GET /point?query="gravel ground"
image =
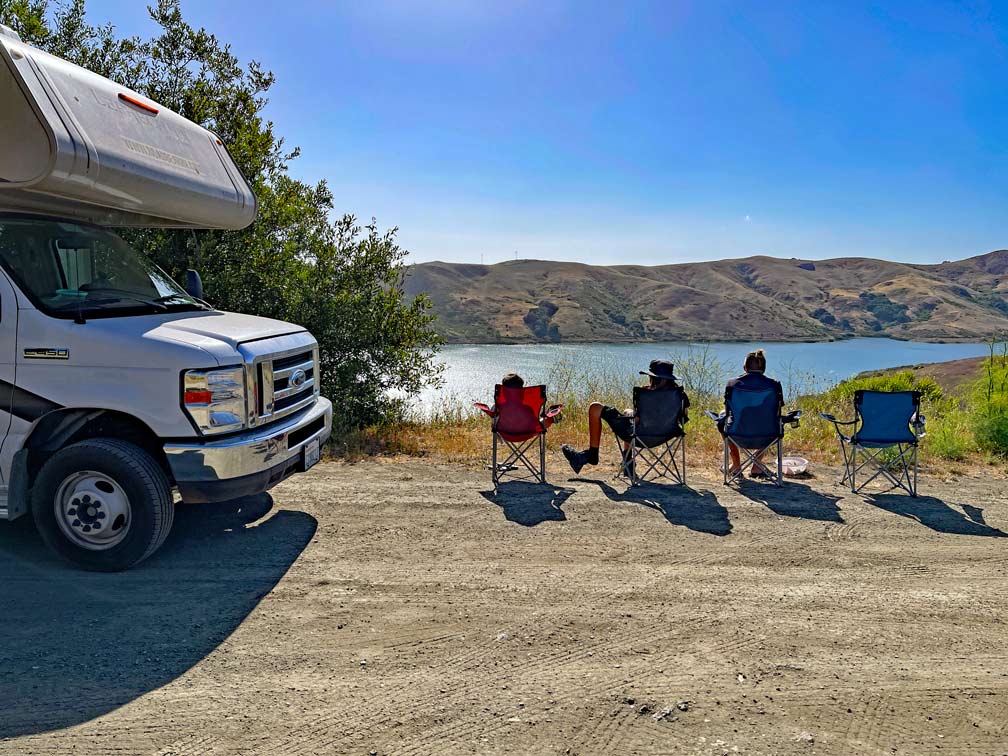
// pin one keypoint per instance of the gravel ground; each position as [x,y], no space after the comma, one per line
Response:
[400,607]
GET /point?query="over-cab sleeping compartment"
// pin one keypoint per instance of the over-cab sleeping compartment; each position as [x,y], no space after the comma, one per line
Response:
[76,145]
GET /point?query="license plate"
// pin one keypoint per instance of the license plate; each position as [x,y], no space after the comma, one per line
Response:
[311,454]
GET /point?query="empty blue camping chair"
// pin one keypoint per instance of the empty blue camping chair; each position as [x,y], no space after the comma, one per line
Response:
[657,448]
[754,422]
[887,428]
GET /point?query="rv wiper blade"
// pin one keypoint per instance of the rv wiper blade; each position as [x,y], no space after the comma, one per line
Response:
[125,298]
[120,295]
[182,299]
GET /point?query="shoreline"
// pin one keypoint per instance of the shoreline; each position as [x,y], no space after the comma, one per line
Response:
[700,342]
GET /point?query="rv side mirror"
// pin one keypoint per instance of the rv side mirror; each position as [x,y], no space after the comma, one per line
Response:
[194,284]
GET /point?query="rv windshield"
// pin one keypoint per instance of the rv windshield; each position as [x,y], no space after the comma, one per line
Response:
[70,270]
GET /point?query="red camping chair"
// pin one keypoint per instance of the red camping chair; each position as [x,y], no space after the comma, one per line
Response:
[520,418]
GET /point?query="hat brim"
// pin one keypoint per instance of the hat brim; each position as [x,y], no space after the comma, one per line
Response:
[663,377]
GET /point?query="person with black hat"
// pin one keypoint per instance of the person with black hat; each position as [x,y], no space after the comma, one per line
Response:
[661,378]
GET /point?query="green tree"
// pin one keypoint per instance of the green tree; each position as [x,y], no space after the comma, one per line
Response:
[343,280]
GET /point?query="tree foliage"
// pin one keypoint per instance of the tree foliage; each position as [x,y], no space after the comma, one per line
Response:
[342,279]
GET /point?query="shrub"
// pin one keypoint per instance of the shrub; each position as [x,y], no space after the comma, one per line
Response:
[989,402]
[905,380]
[948,432]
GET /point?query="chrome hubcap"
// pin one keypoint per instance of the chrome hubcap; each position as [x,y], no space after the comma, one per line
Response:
[92,510]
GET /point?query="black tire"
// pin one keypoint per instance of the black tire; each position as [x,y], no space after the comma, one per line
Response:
[151,508]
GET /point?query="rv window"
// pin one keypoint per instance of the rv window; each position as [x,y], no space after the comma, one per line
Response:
[70,270]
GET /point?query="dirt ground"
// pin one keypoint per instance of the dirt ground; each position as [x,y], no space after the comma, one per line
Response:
[399,607]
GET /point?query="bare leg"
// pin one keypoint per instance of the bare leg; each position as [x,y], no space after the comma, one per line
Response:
[589,456]
[736,462]
[594,424]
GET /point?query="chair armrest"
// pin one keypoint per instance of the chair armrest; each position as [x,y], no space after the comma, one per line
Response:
[826,416]
[791,418]
[484,409]
[554,411]
[716,418]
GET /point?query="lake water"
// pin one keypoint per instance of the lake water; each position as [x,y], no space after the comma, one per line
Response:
[472,370]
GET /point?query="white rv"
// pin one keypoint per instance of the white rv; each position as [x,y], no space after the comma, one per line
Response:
[118,387]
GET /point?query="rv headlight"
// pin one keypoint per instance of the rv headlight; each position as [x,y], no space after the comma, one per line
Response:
[215,399]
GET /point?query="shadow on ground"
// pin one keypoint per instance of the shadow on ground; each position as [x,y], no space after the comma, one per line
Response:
[680,505]
[529,503]
[793,500]
[77,645]
[937,515]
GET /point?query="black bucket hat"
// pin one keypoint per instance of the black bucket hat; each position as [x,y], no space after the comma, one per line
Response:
[661,369]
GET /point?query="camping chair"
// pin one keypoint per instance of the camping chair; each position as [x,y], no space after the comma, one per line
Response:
[658,444]
[519,418]
[753,422]
[887,427]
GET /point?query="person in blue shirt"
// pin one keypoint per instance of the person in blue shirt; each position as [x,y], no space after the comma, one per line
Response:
[754,378]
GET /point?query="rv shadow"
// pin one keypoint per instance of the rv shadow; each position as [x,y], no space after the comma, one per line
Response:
[793,500]
[529,504]
[678,504]
[77,645]
[937,515]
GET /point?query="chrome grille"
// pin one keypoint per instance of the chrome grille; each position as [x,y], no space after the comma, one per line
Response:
[285,383]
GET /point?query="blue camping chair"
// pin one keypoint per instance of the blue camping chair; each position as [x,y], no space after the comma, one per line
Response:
[754,422]
[657,448]
[887,428]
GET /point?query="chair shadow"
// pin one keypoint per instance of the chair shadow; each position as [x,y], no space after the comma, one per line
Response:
[678,504]
[937,514]
[79,644]
[530,504]
[792,500]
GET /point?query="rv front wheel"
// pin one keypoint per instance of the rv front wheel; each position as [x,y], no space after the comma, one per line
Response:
[103,504]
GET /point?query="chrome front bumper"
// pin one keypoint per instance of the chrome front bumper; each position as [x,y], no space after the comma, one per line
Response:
[248,463]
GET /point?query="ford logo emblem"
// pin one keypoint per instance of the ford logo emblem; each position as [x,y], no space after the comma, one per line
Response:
[298,378]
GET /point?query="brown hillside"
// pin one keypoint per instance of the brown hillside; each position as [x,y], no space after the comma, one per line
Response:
[761,298]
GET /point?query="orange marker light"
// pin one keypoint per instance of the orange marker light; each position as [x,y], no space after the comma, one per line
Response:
[138,103]
[195,396]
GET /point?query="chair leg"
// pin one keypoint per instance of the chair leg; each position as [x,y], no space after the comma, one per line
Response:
[780,463]
[542,458]
[853,467]
[724,465]
[682,472]
[914,492]
[630,460]
[493,464]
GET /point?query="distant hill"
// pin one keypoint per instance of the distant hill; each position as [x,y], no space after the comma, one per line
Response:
[754,298]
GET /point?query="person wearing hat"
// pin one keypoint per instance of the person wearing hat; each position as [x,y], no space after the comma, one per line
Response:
[661,378]
[754,378]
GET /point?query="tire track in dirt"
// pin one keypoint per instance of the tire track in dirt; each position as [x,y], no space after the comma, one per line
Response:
[549,671]
[847,531]
[444,740]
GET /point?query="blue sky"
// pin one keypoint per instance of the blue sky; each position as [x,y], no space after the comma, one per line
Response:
[643,132]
